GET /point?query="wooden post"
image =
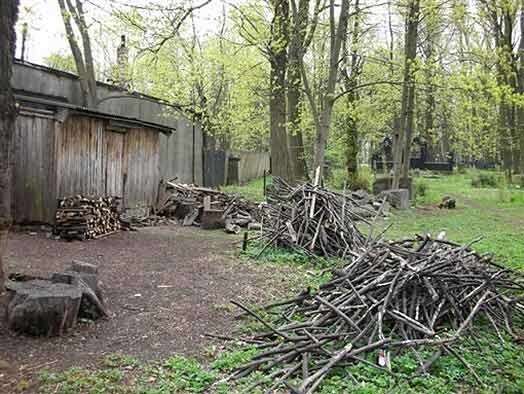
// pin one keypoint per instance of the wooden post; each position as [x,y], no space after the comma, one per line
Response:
[244,242]
[317,180]
[264,191]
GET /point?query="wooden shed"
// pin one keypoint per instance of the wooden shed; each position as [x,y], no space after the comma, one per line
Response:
[62,150]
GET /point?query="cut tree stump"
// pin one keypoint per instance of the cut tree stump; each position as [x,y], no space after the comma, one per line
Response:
[85,276]
[212,219]
[41,307]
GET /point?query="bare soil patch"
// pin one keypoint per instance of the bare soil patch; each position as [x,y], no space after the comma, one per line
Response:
[165,286]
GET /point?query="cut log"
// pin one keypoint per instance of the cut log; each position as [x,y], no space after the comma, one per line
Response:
[230,227]
[41,307]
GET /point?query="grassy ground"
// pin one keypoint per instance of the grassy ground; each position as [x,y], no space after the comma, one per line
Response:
[252,190]
[496,213]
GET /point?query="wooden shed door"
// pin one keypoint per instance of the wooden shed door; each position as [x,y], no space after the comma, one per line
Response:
[114,151]
[34,196]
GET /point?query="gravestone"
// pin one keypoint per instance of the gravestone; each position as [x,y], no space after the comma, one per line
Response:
[398,198]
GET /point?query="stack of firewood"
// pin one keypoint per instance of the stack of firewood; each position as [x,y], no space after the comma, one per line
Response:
[82,217]
[412,296]
[186,202]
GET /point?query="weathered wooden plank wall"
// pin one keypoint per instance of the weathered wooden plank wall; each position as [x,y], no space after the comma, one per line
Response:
[141,167]
[114,156]
[82,155]
[251,164]
[80,161]
[34,173]
[96,161]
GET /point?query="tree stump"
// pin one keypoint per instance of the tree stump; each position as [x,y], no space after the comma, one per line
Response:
[85,276]
[41,307]
[212,219]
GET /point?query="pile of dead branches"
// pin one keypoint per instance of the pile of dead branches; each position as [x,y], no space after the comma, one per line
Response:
[186,202]
[359,205]
[391,298]
[84,217]
[315,220]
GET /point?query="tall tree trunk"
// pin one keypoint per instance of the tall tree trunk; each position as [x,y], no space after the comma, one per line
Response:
[280,162]
[351,148]
[294,96]
[402,141]
[502,19]
[429,118]
[429,125]
[338,33]
[301,37]
[520,110]
[83,61]
[88,55]
[8,17]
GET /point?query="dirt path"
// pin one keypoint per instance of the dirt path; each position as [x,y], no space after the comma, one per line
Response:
[166,287]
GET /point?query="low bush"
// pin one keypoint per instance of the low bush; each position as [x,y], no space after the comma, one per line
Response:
[421,189]
[486,179]
[364,179]
[462,169]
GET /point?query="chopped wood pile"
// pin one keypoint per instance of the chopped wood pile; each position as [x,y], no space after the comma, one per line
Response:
[83,217]
[315,220]
[390,298]
[186,202]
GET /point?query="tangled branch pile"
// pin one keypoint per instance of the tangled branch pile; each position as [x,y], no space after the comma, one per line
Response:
[186,202]
[316,220]
[82,217]
[392,297]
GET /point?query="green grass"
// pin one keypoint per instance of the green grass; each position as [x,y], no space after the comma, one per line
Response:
[497,214]
[252,190]
[499,365]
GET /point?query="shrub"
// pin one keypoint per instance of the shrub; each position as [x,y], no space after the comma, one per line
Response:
[462,169]
[364,179]
[421,189]
[486,179]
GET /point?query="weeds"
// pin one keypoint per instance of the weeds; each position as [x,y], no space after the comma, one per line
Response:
[487,180]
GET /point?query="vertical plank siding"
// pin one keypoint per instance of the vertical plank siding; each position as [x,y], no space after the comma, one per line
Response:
[34,169]
[141,167]
[81,156]
[113,166]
